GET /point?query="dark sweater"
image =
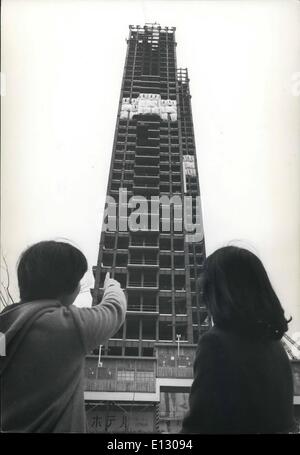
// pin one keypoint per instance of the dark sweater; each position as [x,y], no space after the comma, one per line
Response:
[42,375]
[241,385]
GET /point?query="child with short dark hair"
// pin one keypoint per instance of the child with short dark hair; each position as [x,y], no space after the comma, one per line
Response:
[47,339]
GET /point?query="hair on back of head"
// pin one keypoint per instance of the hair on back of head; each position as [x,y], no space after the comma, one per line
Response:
[239,295]
[49,269]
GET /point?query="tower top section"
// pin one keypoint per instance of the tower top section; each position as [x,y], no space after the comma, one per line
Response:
[151,27]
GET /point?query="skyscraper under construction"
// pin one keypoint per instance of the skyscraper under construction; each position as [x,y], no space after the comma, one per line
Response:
[152,243]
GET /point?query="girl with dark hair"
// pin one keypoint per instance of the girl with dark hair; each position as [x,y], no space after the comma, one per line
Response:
[243,380]
[47,339]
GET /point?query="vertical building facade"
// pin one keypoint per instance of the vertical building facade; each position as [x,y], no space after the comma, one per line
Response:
[151,242]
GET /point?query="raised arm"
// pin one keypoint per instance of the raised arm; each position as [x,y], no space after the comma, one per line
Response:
[98,323]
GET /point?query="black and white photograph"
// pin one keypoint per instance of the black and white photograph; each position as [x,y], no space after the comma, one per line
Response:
[150,219]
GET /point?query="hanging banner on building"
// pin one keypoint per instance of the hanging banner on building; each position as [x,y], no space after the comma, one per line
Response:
[149,103]
[188,169]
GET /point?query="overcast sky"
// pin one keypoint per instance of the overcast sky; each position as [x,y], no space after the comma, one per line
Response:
[63,62]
